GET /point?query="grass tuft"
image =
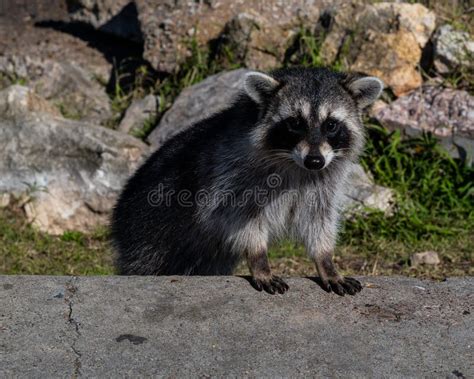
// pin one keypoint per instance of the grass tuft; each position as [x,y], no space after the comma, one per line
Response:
[25,250]
[434,191]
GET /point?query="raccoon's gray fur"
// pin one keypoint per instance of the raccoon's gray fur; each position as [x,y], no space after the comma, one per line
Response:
[273,164]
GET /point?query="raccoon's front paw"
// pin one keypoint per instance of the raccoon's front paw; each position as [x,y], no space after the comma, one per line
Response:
[270,284]
[343,285]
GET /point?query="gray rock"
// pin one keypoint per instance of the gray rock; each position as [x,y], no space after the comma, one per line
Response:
[119,18]
[363,193]
[62,67]
[452,49]
[37,10]
[71,171]
[425,258]
[214,94]
[21,37]
[197,103]
[18,100]
[71,88]
[138,113]
[445,112]
[221,327]
[5,200]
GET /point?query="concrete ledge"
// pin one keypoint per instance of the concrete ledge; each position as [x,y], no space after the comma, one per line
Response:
[220,326]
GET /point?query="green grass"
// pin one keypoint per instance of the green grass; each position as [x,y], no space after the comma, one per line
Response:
[434,191]
[147,127]
[434,204]
[7,80]
[24,250]
[305,50]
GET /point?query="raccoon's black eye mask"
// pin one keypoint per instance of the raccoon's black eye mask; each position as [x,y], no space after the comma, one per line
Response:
[285,134]
[331,127]
[337,133]
[296,125]
[299,126]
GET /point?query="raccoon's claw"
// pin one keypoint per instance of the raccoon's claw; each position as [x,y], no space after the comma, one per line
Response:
[343,286]
[272,284]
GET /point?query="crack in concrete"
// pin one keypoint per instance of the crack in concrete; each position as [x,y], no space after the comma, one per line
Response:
[70,291]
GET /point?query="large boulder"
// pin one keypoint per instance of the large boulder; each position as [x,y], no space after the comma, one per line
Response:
[70,87]
[198,102]
[452,49]
[45,41]
[216,93]
[71,171]
[169,26]
[382,39]
[65,69]
[447,113]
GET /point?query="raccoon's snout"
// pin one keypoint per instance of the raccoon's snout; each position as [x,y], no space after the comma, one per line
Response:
[314,162]
[313,157]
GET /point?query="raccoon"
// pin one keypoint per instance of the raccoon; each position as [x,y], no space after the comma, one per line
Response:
[272,165]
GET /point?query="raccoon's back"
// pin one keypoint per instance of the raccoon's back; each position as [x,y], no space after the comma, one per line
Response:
[152,233]
[145,225]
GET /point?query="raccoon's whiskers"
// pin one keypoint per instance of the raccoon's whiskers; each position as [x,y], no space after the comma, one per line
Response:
[338,151]
[282,163]
[341,149]
[275,159]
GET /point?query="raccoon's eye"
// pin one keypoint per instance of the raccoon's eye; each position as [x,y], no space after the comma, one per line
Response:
[332,127]
[295,125]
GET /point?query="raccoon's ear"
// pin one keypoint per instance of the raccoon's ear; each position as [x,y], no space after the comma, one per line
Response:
[364,89]
[259,86]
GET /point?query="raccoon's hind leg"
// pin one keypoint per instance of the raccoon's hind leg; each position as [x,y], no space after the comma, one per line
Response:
[262,276]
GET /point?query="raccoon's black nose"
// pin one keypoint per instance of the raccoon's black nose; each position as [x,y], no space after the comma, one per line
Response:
[314,162]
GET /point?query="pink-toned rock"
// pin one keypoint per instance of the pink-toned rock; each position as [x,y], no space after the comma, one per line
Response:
[445,112]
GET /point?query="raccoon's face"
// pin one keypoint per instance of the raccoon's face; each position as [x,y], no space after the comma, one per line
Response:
[311,116]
